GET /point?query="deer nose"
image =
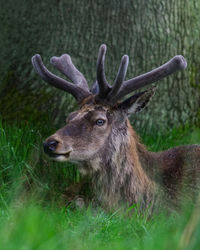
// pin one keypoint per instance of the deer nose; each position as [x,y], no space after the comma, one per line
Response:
[50,146]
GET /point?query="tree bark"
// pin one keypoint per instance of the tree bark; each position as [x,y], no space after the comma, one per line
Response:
[150,32]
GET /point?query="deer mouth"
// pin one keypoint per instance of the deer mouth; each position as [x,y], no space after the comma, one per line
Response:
[59,155]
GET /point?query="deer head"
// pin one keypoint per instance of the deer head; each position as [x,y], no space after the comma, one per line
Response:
[101,113]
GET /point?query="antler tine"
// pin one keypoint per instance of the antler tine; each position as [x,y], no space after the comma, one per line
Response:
[64,64]
[56,81]
[176,63]
[101,79]
[119,78]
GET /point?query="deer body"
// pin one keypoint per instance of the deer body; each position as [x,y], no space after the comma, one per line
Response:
[129,174]
[119,177]
[100,139]
[124,172]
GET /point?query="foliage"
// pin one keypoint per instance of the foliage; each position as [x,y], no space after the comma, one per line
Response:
[43,222]
[24,168]
[33,227]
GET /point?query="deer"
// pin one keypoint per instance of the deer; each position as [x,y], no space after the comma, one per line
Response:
[100,139]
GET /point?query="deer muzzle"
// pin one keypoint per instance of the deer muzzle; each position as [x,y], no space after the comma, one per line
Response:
[51,146]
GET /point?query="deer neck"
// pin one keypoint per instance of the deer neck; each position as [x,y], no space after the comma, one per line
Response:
[117,172]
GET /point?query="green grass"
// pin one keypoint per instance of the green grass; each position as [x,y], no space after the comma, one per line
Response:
[32,215]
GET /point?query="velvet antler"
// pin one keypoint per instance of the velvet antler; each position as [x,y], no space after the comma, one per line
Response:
[102,90]
[173,65]
[79,90]
[104,87]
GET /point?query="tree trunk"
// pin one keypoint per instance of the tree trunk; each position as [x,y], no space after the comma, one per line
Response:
[150,32]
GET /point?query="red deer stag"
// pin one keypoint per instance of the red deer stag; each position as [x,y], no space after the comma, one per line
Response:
[100,138]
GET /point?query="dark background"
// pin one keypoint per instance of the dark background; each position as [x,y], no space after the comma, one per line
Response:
[150,32]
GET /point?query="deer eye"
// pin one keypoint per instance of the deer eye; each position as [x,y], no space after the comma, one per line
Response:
[100,122]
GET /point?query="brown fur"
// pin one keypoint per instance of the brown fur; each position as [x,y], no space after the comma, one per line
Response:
[121,170]
[100,139]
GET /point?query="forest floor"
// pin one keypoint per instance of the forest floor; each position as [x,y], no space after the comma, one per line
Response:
[32,215]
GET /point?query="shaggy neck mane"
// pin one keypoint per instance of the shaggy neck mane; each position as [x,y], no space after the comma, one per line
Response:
[117,174]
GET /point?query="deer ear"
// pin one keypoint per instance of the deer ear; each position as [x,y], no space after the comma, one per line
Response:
[137,102]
